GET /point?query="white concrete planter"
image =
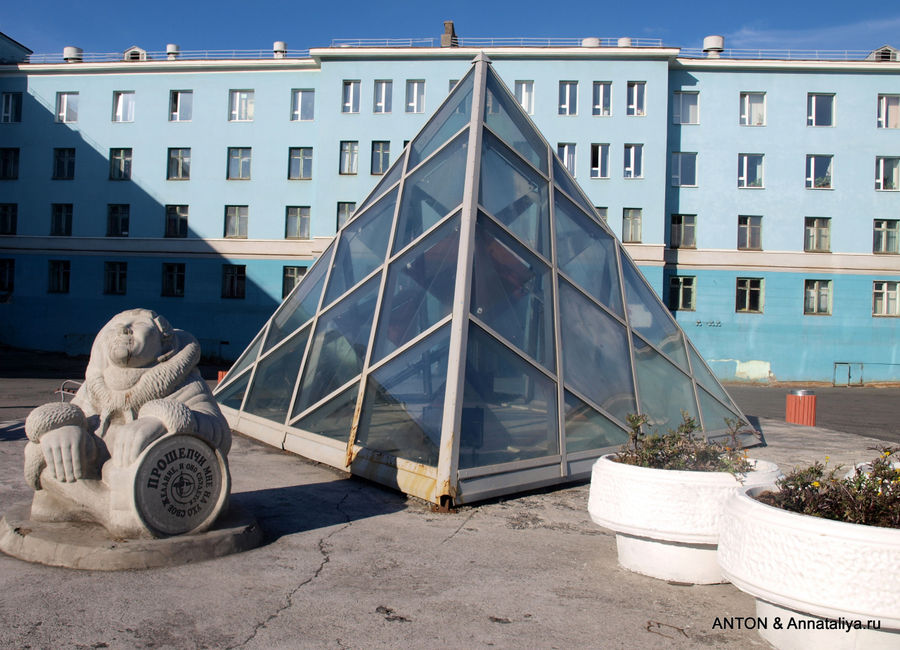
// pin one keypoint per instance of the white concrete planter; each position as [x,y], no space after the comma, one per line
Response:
[811,573]
[667,521]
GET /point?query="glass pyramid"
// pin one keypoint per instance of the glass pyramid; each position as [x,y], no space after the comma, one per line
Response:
[475,329]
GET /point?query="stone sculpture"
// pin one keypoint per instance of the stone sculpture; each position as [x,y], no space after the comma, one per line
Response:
[142,447]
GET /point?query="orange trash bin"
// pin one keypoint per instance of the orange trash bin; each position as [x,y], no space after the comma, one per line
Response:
[222,374]
[801,408]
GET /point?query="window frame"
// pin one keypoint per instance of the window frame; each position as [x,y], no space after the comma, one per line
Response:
[178,167]
[415,95]
[678,168]
[882,109]
[601,99]
[299,98]
[350,96]
[682,230]
[636,99]
[678,111]
[115,278]
[9,218]
[748,229]
[817,234]
[890,299]
[9,163]
[123,106]
[568,153]
[120,163]
[59,275]
[567,103]
[819,287]
[300,165]
[177,219]
[812,181]
[744,113]
[381,154]
[10,107]
[348,207]
[348,158]
[811,109]
[67,106]
[61,217]
[7,275]
[297,273]
[383,96]
[238,159]
[744,290]
[744,168]
[880,176]
[234,281]
[237,220]
[886,230]
[63,164]
[523,96]
[300,214]
[633,158]
[118,218]
[178,108]
[632,223]
[600,160]
[241,104]
[173,280]
[679,287]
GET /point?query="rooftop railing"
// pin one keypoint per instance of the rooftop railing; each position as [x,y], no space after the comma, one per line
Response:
[782,54]
[524,41]
[190,55]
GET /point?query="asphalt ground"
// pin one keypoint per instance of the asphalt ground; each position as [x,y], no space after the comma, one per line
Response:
[346,563]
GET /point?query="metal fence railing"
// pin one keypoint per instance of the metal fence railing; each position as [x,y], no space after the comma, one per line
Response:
[192,55]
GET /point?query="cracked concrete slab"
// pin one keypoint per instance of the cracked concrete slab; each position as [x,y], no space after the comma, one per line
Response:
[348,564]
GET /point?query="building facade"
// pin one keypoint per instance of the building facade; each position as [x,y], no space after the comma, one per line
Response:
[759,196]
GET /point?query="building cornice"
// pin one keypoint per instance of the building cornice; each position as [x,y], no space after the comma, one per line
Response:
[468,53]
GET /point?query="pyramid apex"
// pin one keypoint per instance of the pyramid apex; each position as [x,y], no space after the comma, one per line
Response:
[481,57]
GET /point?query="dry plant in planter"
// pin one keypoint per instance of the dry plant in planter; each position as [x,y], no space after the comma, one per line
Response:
[663,495]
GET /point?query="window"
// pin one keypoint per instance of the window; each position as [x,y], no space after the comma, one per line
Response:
[452,84]
[750,170]
[240,106]
[9,164]
[602,99]
[7,276]
[887,172]
[566,153]
[685,107]
[119,164]
[599,161]
[888,112]
[66,107]
[350,97]
[749,233]
[525,95]
[349,156]
[636,98]
[568,97]
[303,105]
[181,105]
[381,102]
[114,275]
[631,225]
[117,215]
[818,172]
[885,299]
[58,276]
[753,109]
[300,163]
[344,212]
[748,295]
[681,292]
[684,169]
[886,236]
[603,211]
[296,222]
[415,96]
[817,238]
[634,167]
[819,110]
[236,221]
[381,156]
[123,106]
[10,107]
[290,278]
[683,233]
[238,164]
[63,164]
[173,280]
[817,297]
[179,168]
[61,219]
[234,280]
[9,213]
[176,221]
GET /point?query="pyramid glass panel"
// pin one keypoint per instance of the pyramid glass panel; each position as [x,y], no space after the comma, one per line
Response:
[511,292]
[431,192]
[648,316]
[509,406]
[714,414]
[504,117]
[587,254]
[233,395]
[361,248]
[334,418]
[596,361]
[302,302]
[706,379]
[515,194]
[245,360]
[568,185]
[665,391]
[273,384]
[338,346]
[588,429]
[404,402]
[387,181]
[450,118]
[419,289]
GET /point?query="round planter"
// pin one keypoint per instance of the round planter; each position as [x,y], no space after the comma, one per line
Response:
[816,576]
[667,521]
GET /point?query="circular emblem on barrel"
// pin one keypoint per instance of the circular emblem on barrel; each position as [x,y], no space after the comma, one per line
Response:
[180,486]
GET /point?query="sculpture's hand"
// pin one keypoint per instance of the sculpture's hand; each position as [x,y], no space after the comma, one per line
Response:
[133,438]
[65,450]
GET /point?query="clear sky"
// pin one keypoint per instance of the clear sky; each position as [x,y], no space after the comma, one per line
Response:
[46,26]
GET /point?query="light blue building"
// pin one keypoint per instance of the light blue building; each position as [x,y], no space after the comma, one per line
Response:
[758,192]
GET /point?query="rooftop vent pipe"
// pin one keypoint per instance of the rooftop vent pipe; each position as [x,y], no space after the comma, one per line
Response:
[448,38]
[590,41]
[72,54]
[279,49]
[624,42]
[713,46]
[172,51]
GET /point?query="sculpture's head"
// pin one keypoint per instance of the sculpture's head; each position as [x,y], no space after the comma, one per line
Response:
[138,338]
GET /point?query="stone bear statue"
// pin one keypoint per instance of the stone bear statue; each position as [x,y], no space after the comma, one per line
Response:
[141,384]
